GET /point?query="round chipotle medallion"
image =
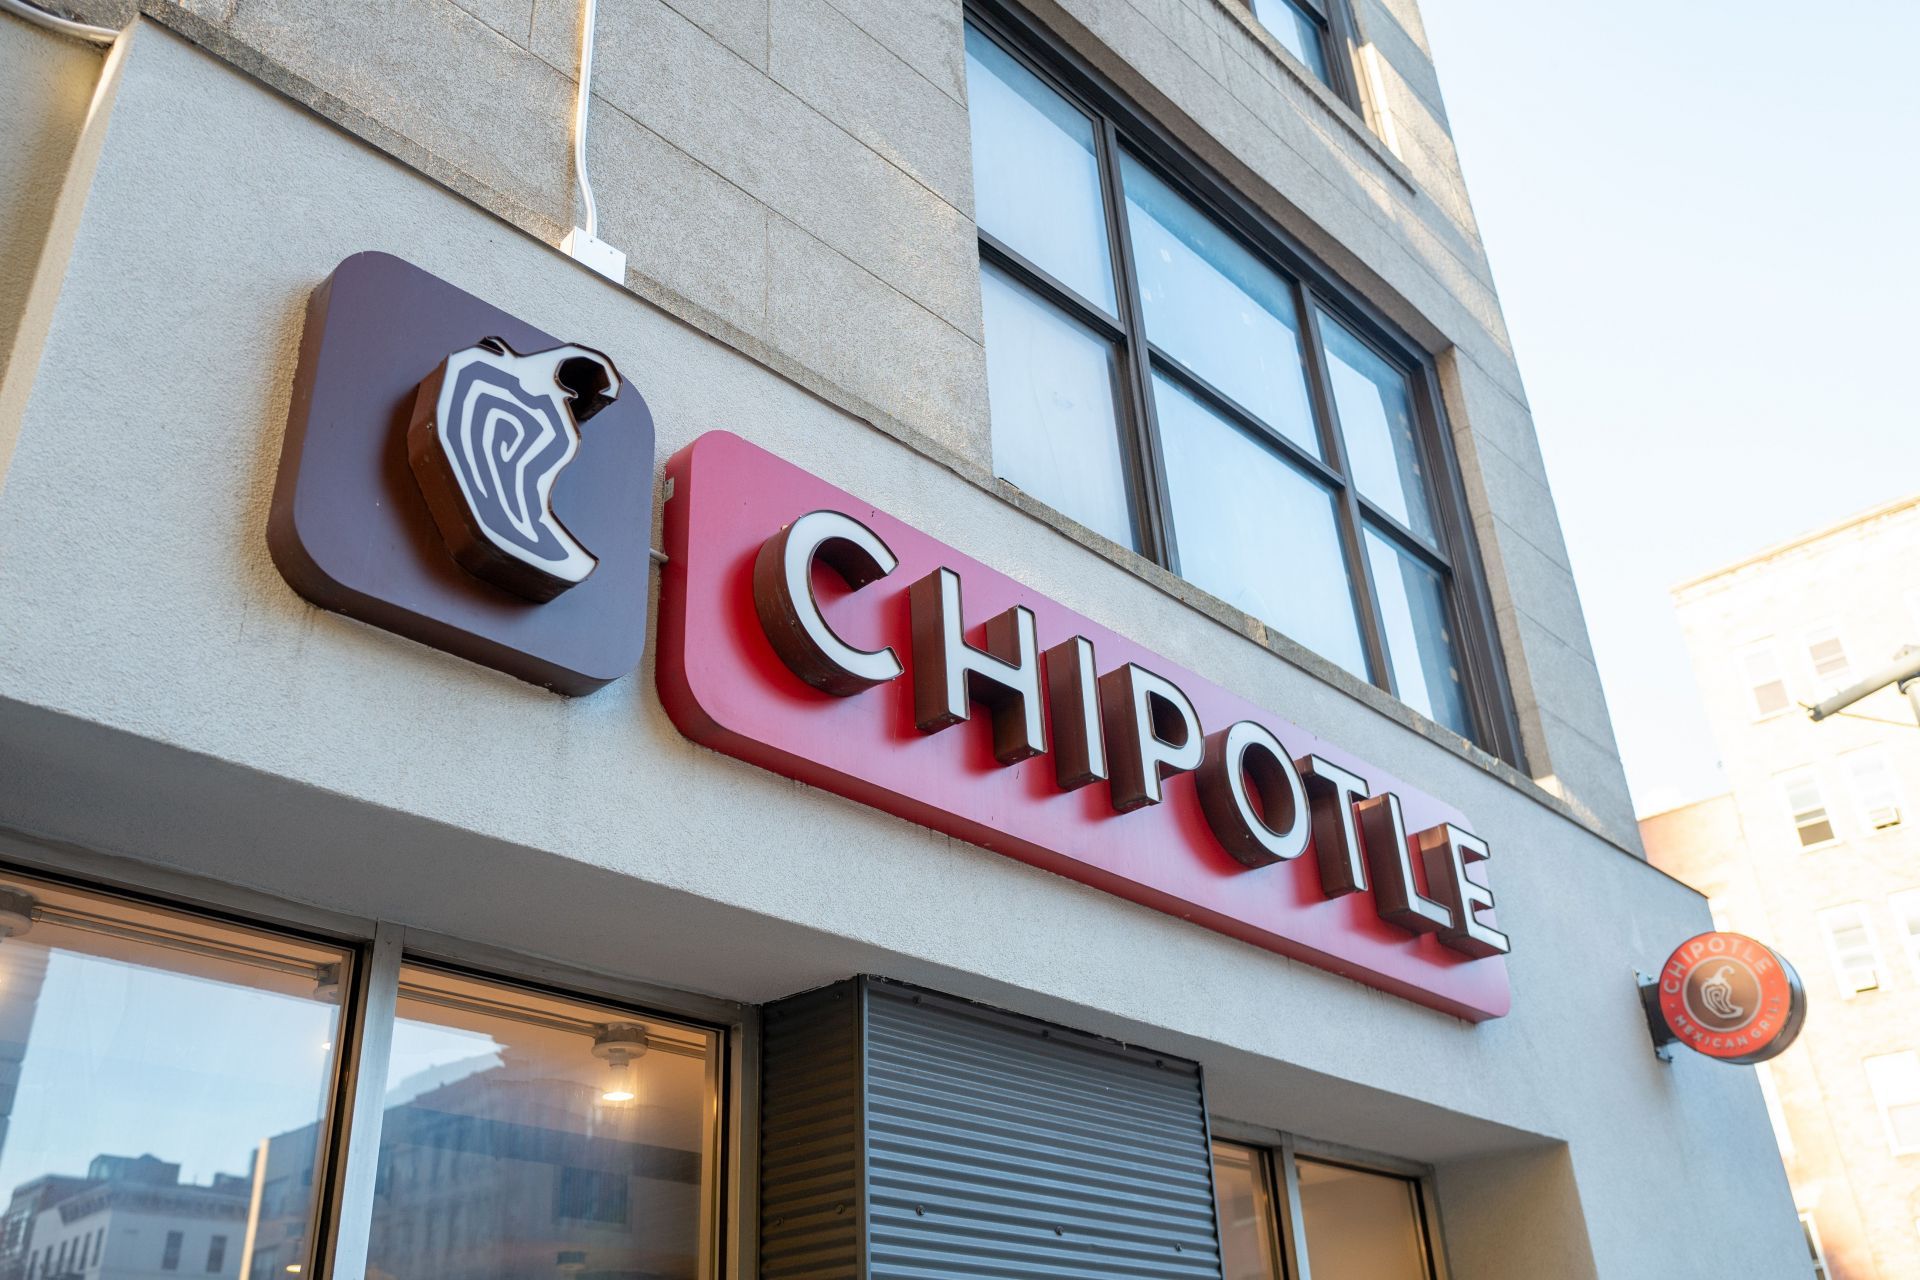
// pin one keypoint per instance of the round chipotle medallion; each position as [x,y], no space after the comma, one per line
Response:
[1731,998]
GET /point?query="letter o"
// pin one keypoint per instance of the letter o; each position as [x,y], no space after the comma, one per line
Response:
[1245,753]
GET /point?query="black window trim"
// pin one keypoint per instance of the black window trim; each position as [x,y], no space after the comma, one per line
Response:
[1120,127]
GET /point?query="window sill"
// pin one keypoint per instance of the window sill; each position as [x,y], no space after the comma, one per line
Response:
[1344,113]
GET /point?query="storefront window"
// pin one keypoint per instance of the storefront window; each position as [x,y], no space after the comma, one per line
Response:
[163,1080]
[1362,1224]
[167,1083]
[1353,1224]
[529,1135]
[1249,1245]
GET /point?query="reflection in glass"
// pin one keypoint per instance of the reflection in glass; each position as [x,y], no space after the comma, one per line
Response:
[1420,644]
[1297,33]
[1050,393]
[162,1078]
[1247,1238]
[1376,420]
[527,1135]
[1361,1224]
[1036,185]
[1215,307]
[1255,531]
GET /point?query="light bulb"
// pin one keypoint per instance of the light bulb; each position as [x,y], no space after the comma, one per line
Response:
[619,1079]
[618,1045]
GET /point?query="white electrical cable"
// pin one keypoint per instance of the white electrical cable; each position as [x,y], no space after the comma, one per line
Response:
[585,93]
[68,27]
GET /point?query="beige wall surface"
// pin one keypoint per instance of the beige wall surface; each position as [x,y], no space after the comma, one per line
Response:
[1857,581]
[168,707]
[46,82]
[794,177]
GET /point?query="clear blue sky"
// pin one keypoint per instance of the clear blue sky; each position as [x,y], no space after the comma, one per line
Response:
[1704,221]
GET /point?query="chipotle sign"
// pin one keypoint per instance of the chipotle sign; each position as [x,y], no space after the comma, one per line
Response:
[807,632]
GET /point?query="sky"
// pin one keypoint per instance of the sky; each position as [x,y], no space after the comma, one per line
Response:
[1702,221]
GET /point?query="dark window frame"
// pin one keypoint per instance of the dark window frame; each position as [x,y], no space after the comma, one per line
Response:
[1338,46]
[1121,128]
[1277,1158]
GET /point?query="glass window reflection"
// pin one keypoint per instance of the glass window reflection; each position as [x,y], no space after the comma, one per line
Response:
[529,1135]
[1050,391]
[1036,184]
[1255,531]
[163,1080]
[1362,1224]
[1297,32]
[1376,420]
[1420,641]
[1248,1242]
[1216,308]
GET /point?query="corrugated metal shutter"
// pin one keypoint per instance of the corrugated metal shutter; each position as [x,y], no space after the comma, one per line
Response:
[995,1146]
[810,1137]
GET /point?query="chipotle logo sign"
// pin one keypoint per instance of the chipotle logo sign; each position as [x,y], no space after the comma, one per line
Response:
[807,632]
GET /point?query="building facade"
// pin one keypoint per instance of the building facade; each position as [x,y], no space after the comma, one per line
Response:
[1814,848]
[1116,782]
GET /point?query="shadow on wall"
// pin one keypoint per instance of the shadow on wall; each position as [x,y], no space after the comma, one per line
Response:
[1515,1214]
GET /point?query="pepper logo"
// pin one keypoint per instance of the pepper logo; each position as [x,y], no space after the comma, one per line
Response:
[491,432]
[425,484]
[1728,997]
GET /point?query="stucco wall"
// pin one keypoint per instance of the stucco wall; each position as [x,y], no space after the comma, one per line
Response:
[165,696]
[46,82]
[794,177]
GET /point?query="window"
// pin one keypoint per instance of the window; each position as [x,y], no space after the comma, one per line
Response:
[1851,947]
[521,1130]
[1811,824]
[1353,1221]
[1249,1233]
[157,1052]
[1306,29]
[1828,658]
[1906,910]
[597,1124]
[1765,684]
[1165,369]
[1894,1079]
[1814,1251]
[1873,788]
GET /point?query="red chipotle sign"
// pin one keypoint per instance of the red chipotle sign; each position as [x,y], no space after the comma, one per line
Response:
[804,631]
[1728,997]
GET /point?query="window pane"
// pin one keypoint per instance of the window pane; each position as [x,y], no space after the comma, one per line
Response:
[1217,308]
[1762,672]
[1297,33]
[1906,909]
[1247,1238]
[1895,1081]
[1376,419]
[1361,1224]
[1809,808]
[526,1135]
[1828,656]
[1850,943]
[1050,392]
[1036,185]
[1255,531]
[171,1076]
[1873,788]
[1420,640]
